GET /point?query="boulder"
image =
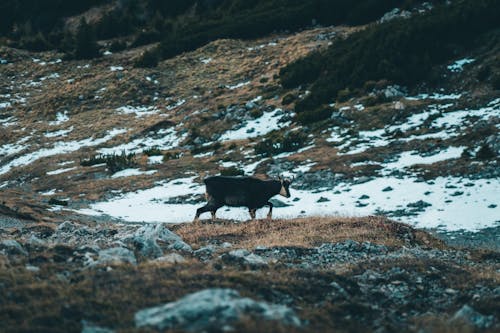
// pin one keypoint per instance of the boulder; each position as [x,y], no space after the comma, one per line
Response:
[115,255]
[211,309]
[244,257]
[146,240]
[88,327]
[11,246]
[172,258]
[469,315]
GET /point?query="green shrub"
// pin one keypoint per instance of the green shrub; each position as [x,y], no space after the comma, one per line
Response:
[149,58]
[85,42]
[117,46]
[114,162]
[205,149]
[57,202]
[288,99]
[344,95]
[485,153]
[146,37]
[35,43]
[401,51]
[276,142]
[153,151]
[312,116]
[256,113]
[171,155]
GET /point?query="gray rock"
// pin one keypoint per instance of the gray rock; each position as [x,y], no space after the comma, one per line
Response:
[205,253]
[172,258]
[146,240]
[493,142]
[394,14]
[211,309]
[11,246]
[35,241]
[244,257]
[66,226]
[115,255]
[471,316]
[250,105]
[88,327]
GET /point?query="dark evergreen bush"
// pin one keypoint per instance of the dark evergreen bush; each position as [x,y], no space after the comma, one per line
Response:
[114,162]
[402,51]
[153,151]
[85,42]
[149,58]
[277,142]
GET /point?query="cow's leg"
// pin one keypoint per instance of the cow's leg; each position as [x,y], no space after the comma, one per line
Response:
[213,214]
[209,207]
[270,214]
[252,212]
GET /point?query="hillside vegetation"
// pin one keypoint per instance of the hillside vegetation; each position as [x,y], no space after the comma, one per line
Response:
[401,51]
[179,26]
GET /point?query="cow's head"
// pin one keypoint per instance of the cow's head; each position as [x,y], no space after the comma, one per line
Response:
[285,185]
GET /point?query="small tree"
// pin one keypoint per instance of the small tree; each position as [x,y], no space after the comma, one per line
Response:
[85,43]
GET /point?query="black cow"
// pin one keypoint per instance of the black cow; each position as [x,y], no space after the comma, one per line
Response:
[242,191]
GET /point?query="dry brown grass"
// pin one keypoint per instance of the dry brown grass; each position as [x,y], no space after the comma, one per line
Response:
[304,232]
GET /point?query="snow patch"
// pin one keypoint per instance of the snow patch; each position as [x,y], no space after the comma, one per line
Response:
[60,133]
[155,159]
[458,65]
[165,139]
[139,111]
[60,118]
[59,171]
[268,122]
[239,85]
[58,148]
[132,172]
[148,205]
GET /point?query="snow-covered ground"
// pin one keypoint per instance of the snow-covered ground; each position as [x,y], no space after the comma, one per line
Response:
[164,139]
[268,122]
[446,125]
[450,203]
[60,147]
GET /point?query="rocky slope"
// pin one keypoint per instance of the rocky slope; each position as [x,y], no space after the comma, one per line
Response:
[94,154]
[302,275]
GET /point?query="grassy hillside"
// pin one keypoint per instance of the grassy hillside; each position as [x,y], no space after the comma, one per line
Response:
[402,51]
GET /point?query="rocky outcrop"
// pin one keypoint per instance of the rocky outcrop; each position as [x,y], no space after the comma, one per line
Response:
[212,309]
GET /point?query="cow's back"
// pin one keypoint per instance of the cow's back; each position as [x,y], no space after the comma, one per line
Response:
[233,191]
